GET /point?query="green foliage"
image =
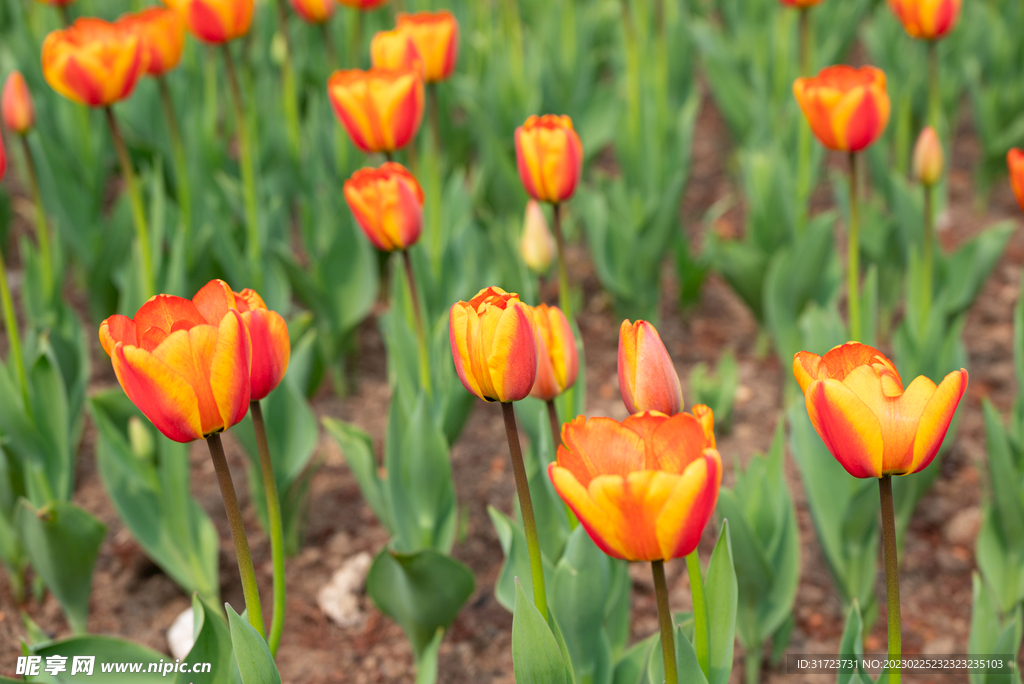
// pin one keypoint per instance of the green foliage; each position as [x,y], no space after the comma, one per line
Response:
[716,390]
[994,632]
[255,663]
[106,650]
[851,646]
[212,645]
[536,653]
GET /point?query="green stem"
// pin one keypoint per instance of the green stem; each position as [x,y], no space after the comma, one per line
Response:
[540,598]
[356,47]
[138,211]
[934,94]
[805,41]
[65,16]
[668,640]
[13,338]
[563,272]
[250,590]
[290,100]
[210,95]
[274,520]
[929,257]
[752,664]
[435,124]
[701,638]
[421,335]
[42,229]
[853,257]
[556,431]
[892,578]
[332,53]
[178,152]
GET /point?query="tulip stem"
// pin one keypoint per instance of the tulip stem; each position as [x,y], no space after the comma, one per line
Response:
[701,638]
[247,169]
[274,520]
[563,273]
[803,185]
[42,230]
[356,48]
[934,100]
[332,53]
[805,41]
[435,122]
[556,432]
[892,578]
[929,255]
[421,335]
[668,640]
[13,338]
[65,16]
[853,257]
[138,211]
[245,568]
[290,103]
[178,151]
[540,598]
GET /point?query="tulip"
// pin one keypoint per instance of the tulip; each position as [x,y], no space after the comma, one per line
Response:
[215,21]
[549,155]
[1015,163]
[162,34]
[537,245]
[381,109]
[873,427]
[928,159]
[436,35]
[802,4]
[93,62]
[387,203]
[314,11]
[16,108]
[846,108]
[647,378]
[927,19]
[363,5]
[396,51]
[558,362]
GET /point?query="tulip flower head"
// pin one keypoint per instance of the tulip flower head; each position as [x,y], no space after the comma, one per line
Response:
[645,488]
[16,108]
[494,345]
[387,204]
[927,19]
[549,155]
[93,62]
[647,378]
[395,50]
[162,34]
[537,245]
[1015,163]
[558,363]
[802,4]
[869,422]
[928,159]
[436,36]
[215,21]
[314,11]
[381,109]
[846,108]
[363,5]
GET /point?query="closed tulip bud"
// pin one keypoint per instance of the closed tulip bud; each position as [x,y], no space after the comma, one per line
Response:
[549,155]
[387,204]
[396,51]
[380,109]
[162,34]
[93,62]
[537,244]
[802,4]
[643,489]
[16,108]
[494,345]
[928,157]
[1015,163]
[363,5]
[558,363]
[846,108]
[436,35]
[928,19]
[870,424]
[647,378]
[215,21]
[314,11]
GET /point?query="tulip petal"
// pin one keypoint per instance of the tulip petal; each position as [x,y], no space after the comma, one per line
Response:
[935,419]
[512,361]
[189,353]
[214,300]
[116,329]
[689,507]
[805,368]
[229,369]
[677,443]
[458,335]
[847,426]
[163,396]
[167,313]
[271,350]
[595,521]
[599,446]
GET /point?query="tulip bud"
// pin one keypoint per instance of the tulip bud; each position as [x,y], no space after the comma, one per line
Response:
[927,19]
[162,35]
[380,109]
[846,108]
[93,62]
[1015,163]
[928,157]
[314,11]
[18,112]
[436,35]
[387,204]
[549,156]
[141,439]
[215,21]
[558,362]
[395,50]
[647,378]
[537,244]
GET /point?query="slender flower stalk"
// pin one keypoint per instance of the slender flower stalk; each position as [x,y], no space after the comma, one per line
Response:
[853,256]
[42,229]
[435,124]
[332,53]
[563,272]
[138,210]
[892,579]
[929,257]
[556,430]
[276,529]
[805,41]
[934,94]
[701,638]
[178,152]
[421,335]
[356,47]
[668,641]
[290,99]
[245,567]
[804,135]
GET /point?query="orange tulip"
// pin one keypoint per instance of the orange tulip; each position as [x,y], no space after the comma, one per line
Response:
[381,109]
[395,50]
[558,362]
[1015,162]
[436,35]
[847,108]
[645,488]
[215,21]
[928,159]
[802,4]
[856,402]
[188,376]
[387,204]
[494,345]
[362,4]
[928,19]
[93,62]
[162,35]
[549,155]
[16,108]
[314,11]
[647,378]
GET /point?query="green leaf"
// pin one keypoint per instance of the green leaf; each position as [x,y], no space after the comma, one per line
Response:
[851,646]
[357,449]
[1005,479]
[255,664]
[109,652]
[722,598]
[516,566]
[631,668]
[687,666]
[536,657]
[212,645]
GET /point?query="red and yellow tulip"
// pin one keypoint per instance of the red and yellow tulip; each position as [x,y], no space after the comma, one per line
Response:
[215,21]
[874,427]
[363,5]
[16,108]
[558,363]
[381,109]
[1015,163]
[395,50]
[549,155]
[802,4]
[647,378]
[93,62]
[494,345]
[162,34]
[314,11]
[928,158]
[846,108]
[645,488]
[927,19]
[387,204]
[436,36]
